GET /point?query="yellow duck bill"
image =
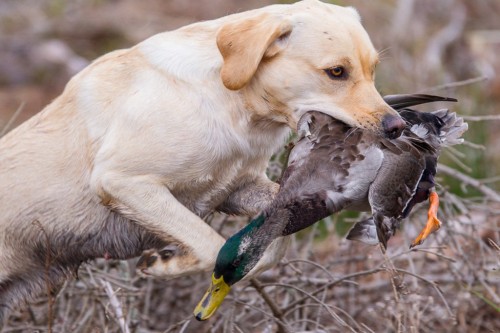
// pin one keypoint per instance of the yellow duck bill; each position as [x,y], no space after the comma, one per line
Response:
[212,299]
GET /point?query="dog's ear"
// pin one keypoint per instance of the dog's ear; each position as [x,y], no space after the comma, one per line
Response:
[243,44]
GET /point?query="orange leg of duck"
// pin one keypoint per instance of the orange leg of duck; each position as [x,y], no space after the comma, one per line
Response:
[433,224]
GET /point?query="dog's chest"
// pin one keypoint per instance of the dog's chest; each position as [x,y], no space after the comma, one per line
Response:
[218,175]
[203,193]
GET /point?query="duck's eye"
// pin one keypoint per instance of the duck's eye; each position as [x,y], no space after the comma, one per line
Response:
[236,262]
[336,72]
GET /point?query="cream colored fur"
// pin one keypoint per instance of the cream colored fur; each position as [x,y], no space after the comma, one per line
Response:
[180,125]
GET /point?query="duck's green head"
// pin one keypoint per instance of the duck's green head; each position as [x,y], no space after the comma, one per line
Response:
[236,258]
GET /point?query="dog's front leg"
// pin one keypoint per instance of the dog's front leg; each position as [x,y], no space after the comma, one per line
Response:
[148,202]
[250,198]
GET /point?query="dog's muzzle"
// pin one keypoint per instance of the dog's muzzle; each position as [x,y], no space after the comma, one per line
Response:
[392,126]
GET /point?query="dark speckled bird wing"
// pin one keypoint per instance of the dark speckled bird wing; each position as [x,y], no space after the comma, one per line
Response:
[399,175]
[330,168]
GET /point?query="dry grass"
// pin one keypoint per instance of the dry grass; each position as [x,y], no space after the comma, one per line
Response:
[448,285]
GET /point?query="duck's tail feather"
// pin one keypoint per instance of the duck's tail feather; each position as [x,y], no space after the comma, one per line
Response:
[402,101]
[364,231]
[453,128]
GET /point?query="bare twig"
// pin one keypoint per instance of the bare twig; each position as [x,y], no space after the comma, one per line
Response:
[12,119]
[333,283]
[493,195]
[435,253]
[481,118]
[433,284]
[274,318]
[282,326]
[116,305]
[314,298]
[456,84]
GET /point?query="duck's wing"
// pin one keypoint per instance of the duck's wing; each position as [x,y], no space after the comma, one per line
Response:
[437,129]
[330,168]
[427,133]
[366,231]
[398,177]
[445,131]
[395,188]
[453,127]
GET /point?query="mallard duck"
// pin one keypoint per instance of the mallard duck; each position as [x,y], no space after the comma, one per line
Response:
[334,167]
[437,129]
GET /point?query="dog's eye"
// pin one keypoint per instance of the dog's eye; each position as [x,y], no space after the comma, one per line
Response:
[335,73]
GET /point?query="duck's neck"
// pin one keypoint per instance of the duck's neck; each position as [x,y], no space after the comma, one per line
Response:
[260,233]
[278,221]
[304,215]
[269,226]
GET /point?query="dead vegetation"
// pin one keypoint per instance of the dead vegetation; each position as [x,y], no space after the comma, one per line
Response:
[325,284]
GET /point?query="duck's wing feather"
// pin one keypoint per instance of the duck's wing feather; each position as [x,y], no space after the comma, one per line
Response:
[402,101]
[366,231]
[444,128]
[453,127]
[330,168]
[398,177]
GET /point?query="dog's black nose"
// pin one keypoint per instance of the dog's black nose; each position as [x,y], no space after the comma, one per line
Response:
[393,126]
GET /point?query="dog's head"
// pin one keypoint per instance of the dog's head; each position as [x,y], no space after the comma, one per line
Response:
[287,60]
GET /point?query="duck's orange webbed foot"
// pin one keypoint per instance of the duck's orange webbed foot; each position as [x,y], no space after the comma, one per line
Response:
[433,223]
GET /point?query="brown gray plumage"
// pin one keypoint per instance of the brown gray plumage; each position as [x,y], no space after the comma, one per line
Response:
[334,167]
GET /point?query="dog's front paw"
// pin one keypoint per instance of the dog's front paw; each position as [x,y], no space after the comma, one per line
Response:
[170,262]
[155,262]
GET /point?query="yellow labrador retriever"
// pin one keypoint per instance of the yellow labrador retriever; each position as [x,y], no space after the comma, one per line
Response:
[146,141]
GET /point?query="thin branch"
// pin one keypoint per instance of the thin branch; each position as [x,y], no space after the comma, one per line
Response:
[458,161]
[315,264]
[493,244]
[456,84]
[331,284]
[473,145]
[258,309]
[436,254]
[116,305]
[481,118]
[433,284]
[492,292]
[314,298]
[493,195]
[183,328]
[181,323]
[282,325]
[12,119]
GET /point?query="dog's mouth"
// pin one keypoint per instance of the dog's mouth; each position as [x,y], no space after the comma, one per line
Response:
[336,114]
[309,119]
[391,126]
